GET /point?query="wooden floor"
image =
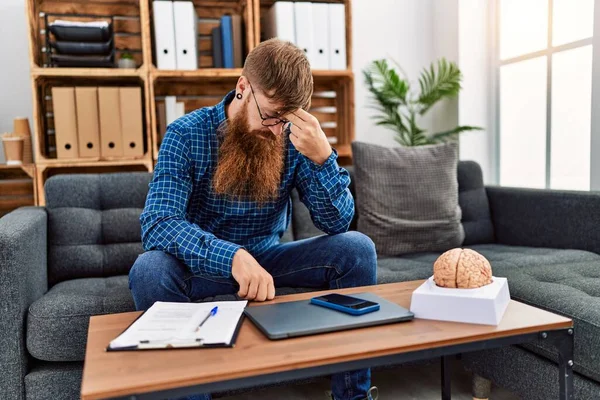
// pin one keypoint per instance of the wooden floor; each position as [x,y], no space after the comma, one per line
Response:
[420,382]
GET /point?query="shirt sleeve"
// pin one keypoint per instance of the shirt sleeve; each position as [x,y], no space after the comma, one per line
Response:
[324,190]
[164,223]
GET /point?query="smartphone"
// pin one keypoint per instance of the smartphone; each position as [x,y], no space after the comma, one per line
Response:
[347,304]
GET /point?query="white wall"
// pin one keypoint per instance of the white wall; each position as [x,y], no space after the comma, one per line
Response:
[15,85]
[475,100]
[415,33]
[401,30]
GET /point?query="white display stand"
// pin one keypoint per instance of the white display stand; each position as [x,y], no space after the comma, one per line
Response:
[484,305]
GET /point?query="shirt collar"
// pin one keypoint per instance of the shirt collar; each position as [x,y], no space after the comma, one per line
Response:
[219,115]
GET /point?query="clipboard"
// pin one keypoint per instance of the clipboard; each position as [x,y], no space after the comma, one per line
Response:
[179,343]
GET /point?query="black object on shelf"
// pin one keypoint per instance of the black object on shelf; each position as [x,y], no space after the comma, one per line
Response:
[81,33]
[64,60]
[82,48]
[80,44]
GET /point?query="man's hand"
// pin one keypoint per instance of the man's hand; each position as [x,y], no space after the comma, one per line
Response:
[307,136]
[255,283]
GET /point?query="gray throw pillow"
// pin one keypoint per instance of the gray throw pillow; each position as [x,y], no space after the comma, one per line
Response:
[407,197]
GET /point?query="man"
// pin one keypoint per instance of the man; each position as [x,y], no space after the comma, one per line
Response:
[219,200]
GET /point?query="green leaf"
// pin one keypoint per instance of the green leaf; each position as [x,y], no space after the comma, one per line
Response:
[453,133]
[397,108]
[438,85]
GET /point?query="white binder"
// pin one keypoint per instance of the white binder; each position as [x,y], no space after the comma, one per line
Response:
[164,34]
[180,109]
[186,34]
[171,109]
[304,29]
[279,21]
[337,36]
[321,35]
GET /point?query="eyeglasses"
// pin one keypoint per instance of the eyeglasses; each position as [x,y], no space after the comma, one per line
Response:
[266,121]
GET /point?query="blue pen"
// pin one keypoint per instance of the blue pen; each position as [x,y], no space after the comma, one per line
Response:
[211,313]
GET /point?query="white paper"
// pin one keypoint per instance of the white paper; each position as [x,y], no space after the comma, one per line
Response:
[177,324]
[95,24]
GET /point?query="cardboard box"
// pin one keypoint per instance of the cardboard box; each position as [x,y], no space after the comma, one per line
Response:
[88,125]
[132,121]
[485,305]
[111,141]
[65,122]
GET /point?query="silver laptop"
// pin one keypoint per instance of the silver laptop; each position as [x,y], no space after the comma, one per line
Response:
[301,318]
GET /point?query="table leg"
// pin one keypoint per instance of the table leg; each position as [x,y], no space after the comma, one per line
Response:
[565,365]
[563,341]
[446,388]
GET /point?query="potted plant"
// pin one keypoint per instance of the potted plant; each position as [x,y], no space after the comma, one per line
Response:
[127,61]
[407,196]
[399,107]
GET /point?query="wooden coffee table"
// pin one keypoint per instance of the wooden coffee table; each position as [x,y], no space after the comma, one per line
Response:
[255,360]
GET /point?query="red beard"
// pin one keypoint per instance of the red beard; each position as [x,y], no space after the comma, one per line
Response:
[250,163]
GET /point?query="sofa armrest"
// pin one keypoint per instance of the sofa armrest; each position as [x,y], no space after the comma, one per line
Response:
[546,218]
[23,279]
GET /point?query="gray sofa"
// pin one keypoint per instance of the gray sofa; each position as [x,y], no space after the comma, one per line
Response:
[69,260]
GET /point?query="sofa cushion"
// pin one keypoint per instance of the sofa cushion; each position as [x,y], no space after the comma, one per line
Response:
[407,197]
[472,198]
[93,224]
[57,323]
[565,282]
[56,381]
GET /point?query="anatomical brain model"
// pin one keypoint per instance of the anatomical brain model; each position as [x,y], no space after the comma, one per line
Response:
[462,268]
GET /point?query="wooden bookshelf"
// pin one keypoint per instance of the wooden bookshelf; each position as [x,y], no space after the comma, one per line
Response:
[89,72]
[333,102]
[17,187]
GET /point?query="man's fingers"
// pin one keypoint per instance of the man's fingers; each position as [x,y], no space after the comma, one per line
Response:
[262,291]
[303,115]
[270,291]
[244,286]
[252,290]
[295,119]
[292,129]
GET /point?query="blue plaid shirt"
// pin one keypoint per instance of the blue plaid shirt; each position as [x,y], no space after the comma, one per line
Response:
[184,217]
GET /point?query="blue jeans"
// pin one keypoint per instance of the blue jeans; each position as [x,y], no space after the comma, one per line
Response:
[324,262]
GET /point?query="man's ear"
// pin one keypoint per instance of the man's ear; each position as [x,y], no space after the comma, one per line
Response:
[242,84]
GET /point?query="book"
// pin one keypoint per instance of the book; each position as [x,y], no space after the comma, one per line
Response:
[182,325]
[217,48]
[238,44]
[227,41]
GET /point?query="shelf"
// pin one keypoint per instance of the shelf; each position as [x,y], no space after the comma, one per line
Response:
[93,162]
[88,72]
[198,73]
[17,187]
[29,169]
[235,72]
[20,166]
[333,73]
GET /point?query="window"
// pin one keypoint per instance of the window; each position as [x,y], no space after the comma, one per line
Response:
[545,92]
